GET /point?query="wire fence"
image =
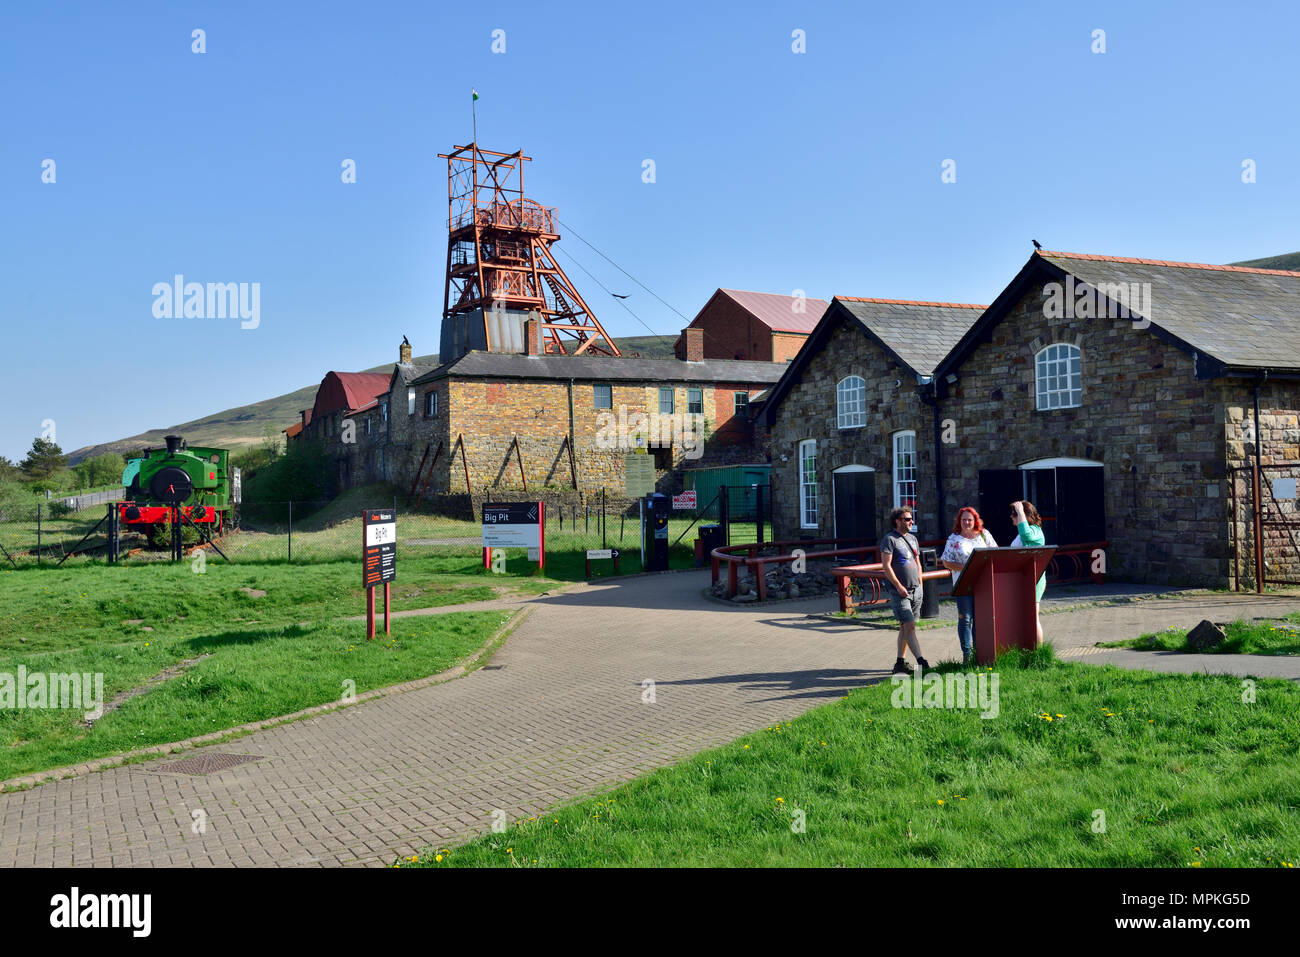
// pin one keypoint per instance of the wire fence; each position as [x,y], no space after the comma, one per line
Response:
[55,534]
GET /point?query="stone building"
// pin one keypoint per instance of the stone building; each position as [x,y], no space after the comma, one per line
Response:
[501,420]
[849,420]
[1117,395]
[754,326]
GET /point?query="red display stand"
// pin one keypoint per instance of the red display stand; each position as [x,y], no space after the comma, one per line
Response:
[1003,581]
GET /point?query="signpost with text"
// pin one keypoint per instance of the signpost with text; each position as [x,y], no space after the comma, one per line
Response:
[378,560]
[515,525]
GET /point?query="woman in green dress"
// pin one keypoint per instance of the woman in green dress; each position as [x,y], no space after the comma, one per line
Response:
[1029,534]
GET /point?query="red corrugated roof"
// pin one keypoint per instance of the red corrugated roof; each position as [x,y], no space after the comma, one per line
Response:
[778,312]
[349,390]
[293,430]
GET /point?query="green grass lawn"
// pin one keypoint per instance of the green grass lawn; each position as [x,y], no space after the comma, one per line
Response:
[1265,637]
[254,672]
[1185,773]
[270,654]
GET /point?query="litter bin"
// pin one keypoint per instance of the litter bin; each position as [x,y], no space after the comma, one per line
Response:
[930,586]
[710,538]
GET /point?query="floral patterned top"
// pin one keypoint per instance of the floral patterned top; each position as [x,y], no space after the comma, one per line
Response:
[959,547]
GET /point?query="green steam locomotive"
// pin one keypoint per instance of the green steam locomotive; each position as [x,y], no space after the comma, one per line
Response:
[199,481]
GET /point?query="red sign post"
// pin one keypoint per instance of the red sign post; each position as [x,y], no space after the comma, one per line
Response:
[378,560]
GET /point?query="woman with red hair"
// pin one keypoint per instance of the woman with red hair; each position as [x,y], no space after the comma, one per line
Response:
[968,534]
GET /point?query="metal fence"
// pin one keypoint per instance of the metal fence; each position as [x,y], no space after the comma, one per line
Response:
[1265,525]
[51,533]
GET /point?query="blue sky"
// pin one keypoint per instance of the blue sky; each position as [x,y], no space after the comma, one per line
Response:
[775,170]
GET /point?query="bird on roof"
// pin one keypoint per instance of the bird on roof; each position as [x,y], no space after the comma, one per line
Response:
[1037,244]
[617,296]
[405,341]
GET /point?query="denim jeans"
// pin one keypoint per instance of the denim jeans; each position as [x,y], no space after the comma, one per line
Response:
[966,624]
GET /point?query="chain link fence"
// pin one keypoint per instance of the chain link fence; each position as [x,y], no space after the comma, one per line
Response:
[54,533]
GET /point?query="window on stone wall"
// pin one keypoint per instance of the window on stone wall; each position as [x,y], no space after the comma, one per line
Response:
[740,404]
[808,484]
[666,400]
[430,404]
[410,402]
[603,396]
[905,470]
[695,401]
[1058,377]
[851,402]
[368,425]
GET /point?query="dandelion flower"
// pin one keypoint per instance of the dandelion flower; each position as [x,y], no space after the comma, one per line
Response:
[438,858]
[940,800]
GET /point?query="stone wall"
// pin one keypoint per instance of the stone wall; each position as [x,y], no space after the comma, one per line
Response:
[1279,449]
[1158,431]
[808,411]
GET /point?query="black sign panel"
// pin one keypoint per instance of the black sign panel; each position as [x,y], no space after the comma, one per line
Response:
[378,546]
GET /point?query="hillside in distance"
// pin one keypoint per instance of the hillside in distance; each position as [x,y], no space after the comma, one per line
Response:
[246,425]
[1289,261]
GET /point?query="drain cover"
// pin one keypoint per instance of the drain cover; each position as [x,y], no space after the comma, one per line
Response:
[205,763]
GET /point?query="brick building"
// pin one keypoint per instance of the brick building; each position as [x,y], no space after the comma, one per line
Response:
[510,420]
[1116,394]
[754,326]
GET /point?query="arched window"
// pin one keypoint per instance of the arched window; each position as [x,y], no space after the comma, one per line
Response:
[1058,377]
[851,402]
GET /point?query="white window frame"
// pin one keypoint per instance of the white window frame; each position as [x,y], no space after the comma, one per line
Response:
[901,470]
[410,402]
[807,465]
[740,404]
[431,405]
[1058,377]
[851,402]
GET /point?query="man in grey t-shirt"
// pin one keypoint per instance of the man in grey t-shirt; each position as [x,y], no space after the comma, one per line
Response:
[900,553]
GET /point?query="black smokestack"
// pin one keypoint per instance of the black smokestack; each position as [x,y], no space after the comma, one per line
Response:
[173,444]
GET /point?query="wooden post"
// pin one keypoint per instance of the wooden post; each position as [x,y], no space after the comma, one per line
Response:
[387,599]
[519,456]
[370,613]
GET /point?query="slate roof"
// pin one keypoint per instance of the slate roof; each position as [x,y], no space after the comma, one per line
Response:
[1246,317]
[1233,319]
[919,334]
[916,334]
[496,365]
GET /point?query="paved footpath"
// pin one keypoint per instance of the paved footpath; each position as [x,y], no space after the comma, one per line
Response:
[557,714]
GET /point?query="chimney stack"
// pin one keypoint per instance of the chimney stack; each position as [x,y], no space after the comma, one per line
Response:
[404,353]
[532,338]
[693,341]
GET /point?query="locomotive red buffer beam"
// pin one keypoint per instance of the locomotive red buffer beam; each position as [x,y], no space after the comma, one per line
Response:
[134,514]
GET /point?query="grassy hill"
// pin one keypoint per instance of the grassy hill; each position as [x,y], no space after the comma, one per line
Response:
[246,425]
[1289,261]
[235,428]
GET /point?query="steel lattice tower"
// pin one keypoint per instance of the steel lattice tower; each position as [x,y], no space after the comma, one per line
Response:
[501,269]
